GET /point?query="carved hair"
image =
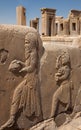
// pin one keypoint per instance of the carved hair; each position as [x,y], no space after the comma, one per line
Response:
[31,36]
[35,41]
[66,57]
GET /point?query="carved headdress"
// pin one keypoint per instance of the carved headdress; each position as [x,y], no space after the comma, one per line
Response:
[35,41]
[63,59]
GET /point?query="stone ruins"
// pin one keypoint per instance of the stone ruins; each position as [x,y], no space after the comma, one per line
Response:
[40,77]
[52,25]
[35,23]
[21,15]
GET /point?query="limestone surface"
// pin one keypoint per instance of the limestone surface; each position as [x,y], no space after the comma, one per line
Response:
[56,77]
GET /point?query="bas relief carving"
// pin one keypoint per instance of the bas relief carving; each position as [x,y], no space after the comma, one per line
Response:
[62,77]
[64,93]
[26,95]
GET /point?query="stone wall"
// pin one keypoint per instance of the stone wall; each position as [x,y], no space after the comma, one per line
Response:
[12,39]
[11,48]
[48,70]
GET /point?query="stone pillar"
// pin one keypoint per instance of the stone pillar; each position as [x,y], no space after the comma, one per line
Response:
[35,23]
[74,17]
[58,21]
[61,28]
[58,28]
[80,25]
[31,23]
[66,27]
[21,15]
[53,27]
[46,25]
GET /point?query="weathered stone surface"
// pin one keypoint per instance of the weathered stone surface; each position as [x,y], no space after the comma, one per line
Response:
[12,43]
[35,23]
[48,70]
[75,124]
[45,125]
[53,25]
[50,125]
[13,50]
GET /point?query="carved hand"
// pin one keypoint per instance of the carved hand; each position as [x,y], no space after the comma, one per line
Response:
[17,61]
[23,70]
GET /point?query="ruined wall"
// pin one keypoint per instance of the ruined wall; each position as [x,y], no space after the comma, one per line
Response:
[71,26]
[49,86]
[11,48]
[12,38]
[48,70]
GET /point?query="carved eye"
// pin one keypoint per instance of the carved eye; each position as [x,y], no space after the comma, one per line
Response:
[27,42]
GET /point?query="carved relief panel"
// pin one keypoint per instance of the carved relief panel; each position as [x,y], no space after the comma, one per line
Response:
[19,78]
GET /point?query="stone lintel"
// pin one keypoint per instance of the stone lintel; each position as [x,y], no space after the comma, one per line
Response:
[48,10]
[58,17]
[35,20]
[75,11]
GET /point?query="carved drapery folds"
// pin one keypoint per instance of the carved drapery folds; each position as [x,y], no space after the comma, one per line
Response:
[62,78]
[26,95]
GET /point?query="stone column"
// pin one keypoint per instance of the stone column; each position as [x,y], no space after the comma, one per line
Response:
[43,24]
[66,27]
[37,24]
[46,24]
[21,15]
[58,28]
[80,25]
[77,27]
[53,27]
[31,23]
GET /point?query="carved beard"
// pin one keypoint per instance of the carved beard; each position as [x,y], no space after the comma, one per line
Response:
[28,50]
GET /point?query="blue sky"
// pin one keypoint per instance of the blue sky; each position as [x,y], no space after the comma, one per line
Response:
[8,8]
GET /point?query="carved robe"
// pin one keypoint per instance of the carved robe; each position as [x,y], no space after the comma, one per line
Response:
[26,94]
[63,92]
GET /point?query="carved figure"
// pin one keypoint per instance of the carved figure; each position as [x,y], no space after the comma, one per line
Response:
[76,110]
[62,78]
[26,95]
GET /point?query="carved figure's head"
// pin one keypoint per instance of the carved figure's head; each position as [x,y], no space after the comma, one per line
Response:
[65,58]
[31,39]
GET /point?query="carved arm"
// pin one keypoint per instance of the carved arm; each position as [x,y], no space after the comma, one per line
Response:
[33,62]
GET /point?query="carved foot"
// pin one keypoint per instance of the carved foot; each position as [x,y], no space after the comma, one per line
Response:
[8,124]
[68,119]
[77,115]
[52,116]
